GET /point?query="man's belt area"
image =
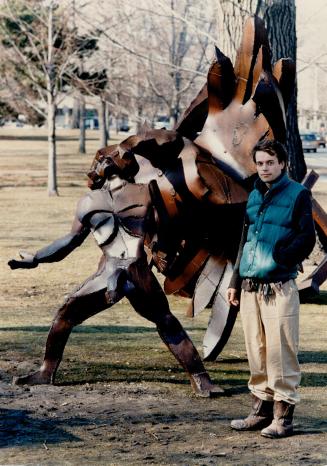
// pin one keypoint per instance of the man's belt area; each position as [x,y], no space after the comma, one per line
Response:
[266,289]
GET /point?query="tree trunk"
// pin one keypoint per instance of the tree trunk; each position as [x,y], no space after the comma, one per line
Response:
[108,121]
[230,19]
[52,153]
[280,19]
[103,124]
[81,148]
[76,113]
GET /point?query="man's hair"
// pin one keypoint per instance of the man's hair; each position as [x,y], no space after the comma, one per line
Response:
[272,147]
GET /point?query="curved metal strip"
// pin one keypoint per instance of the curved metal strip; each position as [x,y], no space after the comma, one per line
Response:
[284,72]
[207,283]
[194,117]
[173,286]
[254,36]
[221,321]
[221,83]
[269,101]
[193,180]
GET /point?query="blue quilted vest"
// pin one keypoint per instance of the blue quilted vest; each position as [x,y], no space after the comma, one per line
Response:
[270,220]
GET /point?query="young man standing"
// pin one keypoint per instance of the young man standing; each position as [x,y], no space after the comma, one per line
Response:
[278,235]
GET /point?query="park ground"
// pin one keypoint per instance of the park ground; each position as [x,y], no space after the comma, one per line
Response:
[120,397]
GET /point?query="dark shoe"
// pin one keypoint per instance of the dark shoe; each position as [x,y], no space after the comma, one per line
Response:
[260,416]
[282,424]
[203,387]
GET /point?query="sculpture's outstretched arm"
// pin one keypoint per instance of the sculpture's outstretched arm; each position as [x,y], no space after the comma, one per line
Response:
[55,251]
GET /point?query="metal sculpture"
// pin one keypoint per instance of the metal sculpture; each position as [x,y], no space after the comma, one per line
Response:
[200,175]
[119,213]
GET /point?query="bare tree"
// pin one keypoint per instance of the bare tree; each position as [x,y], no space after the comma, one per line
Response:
[37,50]
[187,52]
[165,48]
[41,56]
[51,100]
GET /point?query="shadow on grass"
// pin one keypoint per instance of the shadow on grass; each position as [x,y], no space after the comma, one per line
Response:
[19,428]
[320,298]
[235,381]
[111,330]
[230,361]
[26,137]
[312,379]
[156,373]
[313,357]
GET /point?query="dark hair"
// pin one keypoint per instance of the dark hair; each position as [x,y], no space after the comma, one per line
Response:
[272,147]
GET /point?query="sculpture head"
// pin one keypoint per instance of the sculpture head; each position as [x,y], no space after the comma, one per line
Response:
[110,161]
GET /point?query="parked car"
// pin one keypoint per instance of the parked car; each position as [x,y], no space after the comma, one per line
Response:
[309,142]
[321,140]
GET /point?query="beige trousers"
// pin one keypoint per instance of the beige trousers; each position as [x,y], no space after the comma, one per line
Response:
[271,333]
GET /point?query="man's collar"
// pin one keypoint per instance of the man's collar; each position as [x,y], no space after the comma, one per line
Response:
[279,182]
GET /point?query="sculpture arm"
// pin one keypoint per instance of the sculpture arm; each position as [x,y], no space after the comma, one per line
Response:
[55,251]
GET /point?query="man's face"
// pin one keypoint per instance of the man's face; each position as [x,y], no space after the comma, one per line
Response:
[268,166]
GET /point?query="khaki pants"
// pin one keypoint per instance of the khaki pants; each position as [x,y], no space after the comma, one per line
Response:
[271,333]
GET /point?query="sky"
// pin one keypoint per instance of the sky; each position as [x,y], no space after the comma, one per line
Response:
[312,44]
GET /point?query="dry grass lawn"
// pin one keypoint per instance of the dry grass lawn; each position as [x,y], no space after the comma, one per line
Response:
[120,396]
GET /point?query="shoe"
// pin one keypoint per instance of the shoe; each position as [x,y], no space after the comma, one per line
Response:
[260,416]
[282,424]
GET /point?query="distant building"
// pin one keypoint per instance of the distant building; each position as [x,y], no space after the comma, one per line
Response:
[65,117]
[313,121]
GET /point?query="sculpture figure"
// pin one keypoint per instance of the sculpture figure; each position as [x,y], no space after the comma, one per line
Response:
[204,171]
[119,213]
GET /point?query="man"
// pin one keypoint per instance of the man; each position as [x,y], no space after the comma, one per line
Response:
[118,213]
[278,234]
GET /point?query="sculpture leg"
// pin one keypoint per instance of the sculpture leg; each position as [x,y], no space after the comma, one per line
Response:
[75,311]
[151,303]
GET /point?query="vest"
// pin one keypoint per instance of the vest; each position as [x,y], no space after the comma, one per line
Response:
[270,220]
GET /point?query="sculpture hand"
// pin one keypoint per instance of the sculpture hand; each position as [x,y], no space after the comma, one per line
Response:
[28,261]
[246,103]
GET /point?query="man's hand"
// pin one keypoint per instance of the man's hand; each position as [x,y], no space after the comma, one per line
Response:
[28,261]
[232,296]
